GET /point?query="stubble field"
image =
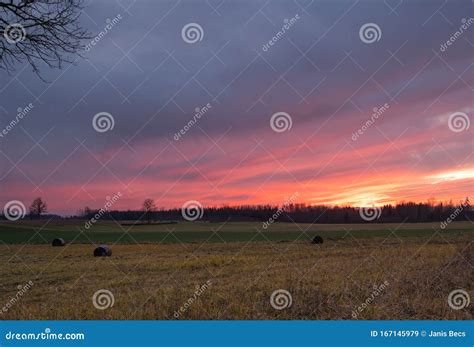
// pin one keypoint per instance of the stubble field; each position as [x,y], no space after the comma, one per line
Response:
[400,276]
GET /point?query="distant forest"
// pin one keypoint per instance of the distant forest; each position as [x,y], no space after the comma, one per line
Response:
[302,213]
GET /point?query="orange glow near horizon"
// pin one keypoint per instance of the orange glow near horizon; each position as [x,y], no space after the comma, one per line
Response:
[377,195]
[324,170]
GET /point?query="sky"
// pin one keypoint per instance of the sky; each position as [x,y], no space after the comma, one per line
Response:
[355,103]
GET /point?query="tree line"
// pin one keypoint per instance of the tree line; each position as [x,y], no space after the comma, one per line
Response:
[410,212]
[301,213]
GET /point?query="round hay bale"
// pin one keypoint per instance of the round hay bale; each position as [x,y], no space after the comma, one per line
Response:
[58,242]
[102,251]
[317,240]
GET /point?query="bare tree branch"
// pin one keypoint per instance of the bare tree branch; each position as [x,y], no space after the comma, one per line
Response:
[36,31]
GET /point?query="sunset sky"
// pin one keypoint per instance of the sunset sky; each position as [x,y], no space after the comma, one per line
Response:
[319,72]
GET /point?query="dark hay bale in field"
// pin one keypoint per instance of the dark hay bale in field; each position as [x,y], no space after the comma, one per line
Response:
[317,240]
[102,251]
[58,242]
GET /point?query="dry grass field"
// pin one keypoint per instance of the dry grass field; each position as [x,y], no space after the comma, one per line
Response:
[328,281]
